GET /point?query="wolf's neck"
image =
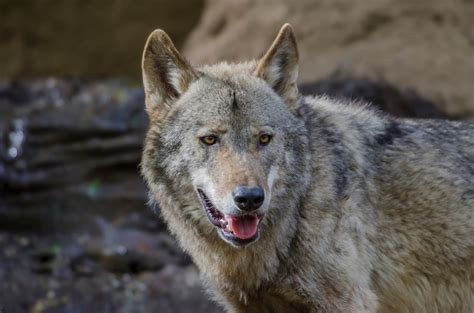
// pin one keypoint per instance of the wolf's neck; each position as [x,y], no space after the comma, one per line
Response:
[343,139]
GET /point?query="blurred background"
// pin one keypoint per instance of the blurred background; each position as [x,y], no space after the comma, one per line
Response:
[76,234]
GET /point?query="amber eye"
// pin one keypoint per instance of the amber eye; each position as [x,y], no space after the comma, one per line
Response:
[209,140]
[264,139]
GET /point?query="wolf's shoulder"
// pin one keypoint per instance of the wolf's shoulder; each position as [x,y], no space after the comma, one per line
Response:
[350,112]
[450,131]
[360,125]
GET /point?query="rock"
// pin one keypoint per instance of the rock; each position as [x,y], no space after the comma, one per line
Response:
[427,46]
[69,147]
[84,265]
[128,250]
[44,259]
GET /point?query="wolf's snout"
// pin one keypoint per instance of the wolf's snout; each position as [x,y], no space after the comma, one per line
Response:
[248,198]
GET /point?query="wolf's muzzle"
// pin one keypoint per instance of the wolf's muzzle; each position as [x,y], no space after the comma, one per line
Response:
[247,198]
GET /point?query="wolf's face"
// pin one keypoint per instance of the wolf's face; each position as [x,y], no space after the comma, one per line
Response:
[232,139]
[226,129]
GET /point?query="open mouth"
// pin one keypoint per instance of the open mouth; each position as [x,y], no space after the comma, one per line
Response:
[238,230]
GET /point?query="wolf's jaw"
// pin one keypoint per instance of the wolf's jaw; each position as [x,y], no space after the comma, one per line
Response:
[237,230]
[216,217]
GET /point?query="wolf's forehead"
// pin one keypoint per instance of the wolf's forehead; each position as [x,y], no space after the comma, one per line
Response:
[216,97]
[233,93]
[217,101]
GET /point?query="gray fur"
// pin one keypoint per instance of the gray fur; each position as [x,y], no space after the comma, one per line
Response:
[368,213]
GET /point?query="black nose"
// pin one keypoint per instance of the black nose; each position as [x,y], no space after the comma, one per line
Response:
[248,198]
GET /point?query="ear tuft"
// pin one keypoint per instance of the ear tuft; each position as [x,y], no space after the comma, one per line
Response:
[279,66]
[166,74]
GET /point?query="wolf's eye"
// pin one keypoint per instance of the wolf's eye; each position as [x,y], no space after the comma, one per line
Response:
[264,139]
[208,140]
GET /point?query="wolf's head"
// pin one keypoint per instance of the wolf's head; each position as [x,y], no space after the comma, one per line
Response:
[227,133]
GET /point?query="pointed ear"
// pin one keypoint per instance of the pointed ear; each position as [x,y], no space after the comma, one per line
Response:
[279,66]
[166,74]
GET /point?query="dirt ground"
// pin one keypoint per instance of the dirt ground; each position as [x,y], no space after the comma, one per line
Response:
[120,267]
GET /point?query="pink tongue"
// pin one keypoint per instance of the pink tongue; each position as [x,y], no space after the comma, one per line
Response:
[244,227]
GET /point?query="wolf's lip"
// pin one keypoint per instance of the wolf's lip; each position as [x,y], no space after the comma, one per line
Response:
[241,228]
[215,216]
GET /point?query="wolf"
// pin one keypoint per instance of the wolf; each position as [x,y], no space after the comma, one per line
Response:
[306,204]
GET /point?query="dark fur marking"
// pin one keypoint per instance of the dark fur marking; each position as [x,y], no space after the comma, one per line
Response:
[306,114]
[330,136]
[392,132]
[468,195]
[235,104]
[341,158]
[341,181]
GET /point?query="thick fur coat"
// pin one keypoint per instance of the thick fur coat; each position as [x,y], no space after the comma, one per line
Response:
[362,212]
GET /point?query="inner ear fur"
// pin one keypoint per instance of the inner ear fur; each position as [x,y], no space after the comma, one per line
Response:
[166,74]
[279,66]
